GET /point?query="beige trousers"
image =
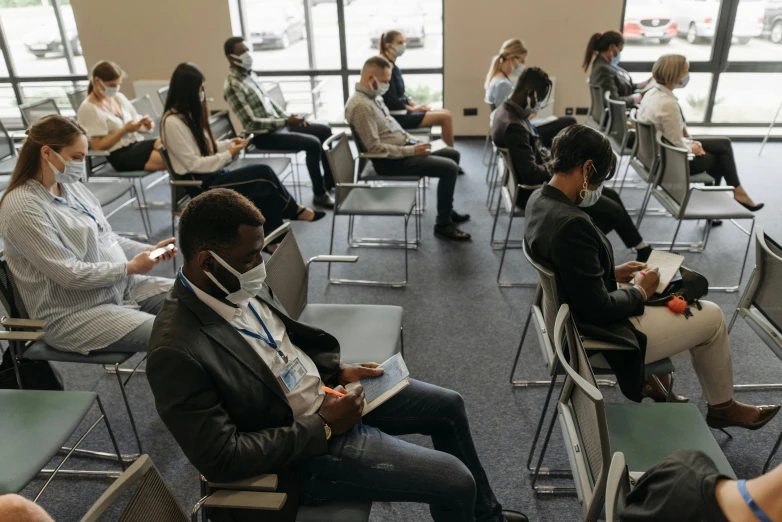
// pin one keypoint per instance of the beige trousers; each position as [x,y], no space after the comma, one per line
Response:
[704,335]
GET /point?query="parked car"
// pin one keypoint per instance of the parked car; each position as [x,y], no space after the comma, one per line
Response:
[404,16]
[772,26]
[45,39]
[647,20]
[697,19]
[275,26]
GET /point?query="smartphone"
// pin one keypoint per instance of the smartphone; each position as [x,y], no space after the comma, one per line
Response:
[160,251]
[248,138]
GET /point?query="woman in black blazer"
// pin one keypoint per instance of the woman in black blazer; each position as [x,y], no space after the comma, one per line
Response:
[608,301]
[392,45]
[512,130]
[603,53]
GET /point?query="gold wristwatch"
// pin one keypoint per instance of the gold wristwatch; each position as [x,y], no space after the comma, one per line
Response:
[325,426]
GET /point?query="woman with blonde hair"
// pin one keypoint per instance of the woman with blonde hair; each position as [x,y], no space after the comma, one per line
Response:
[499,87]
[712,154]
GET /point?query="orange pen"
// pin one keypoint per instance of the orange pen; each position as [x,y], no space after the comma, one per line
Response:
[333,392]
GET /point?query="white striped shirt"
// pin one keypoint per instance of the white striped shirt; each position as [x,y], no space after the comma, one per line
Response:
[66,274]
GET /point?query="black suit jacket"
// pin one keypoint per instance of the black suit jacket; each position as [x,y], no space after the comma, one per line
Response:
[563,238]
[395,98]
[222,403]
[612,79]
[511,131]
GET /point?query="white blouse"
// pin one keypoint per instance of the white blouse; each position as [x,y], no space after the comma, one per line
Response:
[98,123]
[183,149]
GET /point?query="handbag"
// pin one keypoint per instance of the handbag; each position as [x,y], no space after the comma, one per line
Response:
[35,375]
[683,292]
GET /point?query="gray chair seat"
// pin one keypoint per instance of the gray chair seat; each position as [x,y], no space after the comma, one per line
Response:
[335,512]
[702,178]
[40,351]
[370,174]
[675,427]
[705,204]
[278,165]
[108,193]
[7,166]
[366,333]
[378,201]
[107,171]
[35,426]
[420,130]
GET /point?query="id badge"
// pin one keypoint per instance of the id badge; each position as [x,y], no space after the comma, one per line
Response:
[112,245]
[292,375]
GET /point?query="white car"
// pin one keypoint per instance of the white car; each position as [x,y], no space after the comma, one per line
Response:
[697,19]
[406,17]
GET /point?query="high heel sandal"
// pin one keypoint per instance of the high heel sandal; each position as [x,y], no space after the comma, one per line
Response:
[318,214]
[717,420]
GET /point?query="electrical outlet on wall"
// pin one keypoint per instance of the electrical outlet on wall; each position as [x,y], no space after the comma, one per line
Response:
[569,111]
[582,111]
[471,112]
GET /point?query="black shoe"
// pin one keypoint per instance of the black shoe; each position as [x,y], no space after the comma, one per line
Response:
[318,215]
[459,218]
[450,231]
[642,254]
[716,223]
[461,171]
[323,200]
[514,516]
[750,207]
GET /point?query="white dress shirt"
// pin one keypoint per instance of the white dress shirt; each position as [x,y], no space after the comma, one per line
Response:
[98,122]
[183,149]
[308,395]
[661,107]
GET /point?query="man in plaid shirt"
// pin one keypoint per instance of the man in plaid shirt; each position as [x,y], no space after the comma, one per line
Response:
[275,129]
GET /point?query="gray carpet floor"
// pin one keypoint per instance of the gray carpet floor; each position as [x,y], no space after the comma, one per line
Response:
[461,331]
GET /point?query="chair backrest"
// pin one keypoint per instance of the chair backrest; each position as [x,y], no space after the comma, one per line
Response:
[76,98]
[582,417]
[163,95]
[287,273]
[152,500]
[617,487]
[221,126]
[7,149]
[512,182]
[362,162]
[275,93]
[548,284]
[673,176]
[647,153]
[144,105]
[32,112]
[618,130]
[340,157]
[596,107]
[9,292]
[179,193]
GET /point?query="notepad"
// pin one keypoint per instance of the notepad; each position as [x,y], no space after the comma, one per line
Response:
[668,263]
[437,145]
[378,390]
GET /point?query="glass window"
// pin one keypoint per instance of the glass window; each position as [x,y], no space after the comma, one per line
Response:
[279,36]
[421,21]
[656,27]
[747,97]
[753,39]
[34,92]
[9,108]
[34,39]
[424,89]
[318,97]
[693,99]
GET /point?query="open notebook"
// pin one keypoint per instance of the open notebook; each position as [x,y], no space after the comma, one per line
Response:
[378,390]
[437,145]
[668,263]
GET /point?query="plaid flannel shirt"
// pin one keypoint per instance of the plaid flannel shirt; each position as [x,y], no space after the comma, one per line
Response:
[249,102]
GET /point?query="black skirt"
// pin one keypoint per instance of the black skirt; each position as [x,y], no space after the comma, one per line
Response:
[132,157]
[411,120]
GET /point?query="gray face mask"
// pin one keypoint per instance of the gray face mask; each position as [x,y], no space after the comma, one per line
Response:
[399,50]
[683,83]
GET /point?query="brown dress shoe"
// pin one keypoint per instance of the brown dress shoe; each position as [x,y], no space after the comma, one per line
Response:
[719,418]
[653,390]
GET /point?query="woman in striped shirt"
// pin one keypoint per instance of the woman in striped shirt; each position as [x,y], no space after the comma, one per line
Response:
[87,283]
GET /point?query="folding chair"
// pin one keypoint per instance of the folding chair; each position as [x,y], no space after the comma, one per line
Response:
[8,155]
[76,98]
[36,424]
[593,430]
[596,118]
[32,112]
[145,107]
[360,199]
[25,339]
[686,202]
[365,332]
[163,95]
[618,133]
[761,307]
[617,487]
[493,169]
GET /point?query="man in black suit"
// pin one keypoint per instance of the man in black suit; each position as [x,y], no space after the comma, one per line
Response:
[239,385]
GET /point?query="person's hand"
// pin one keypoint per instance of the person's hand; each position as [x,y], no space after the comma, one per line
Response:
[237,141]
[423,149]
[133,126]
[295,121]
[147,122]
[168,255]
[342,413]
[353,372]
[697,148]
[420,108]
[532,116]
[142,263]
[648,280]
[236,147]
[637,97]
[624,273]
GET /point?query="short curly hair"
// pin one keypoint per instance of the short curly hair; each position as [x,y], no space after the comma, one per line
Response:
[576,144]
[212,219]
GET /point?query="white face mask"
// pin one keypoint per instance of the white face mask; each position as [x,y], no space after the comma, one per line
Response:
[399,50]
[381,88]
[250,282]
[110,92]
[590,197]
[74,170]
[246,59]
[518,69]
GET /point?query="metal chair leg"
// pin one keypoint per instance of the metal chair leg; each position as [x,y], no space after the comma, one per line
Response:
[773,452]
[502,261]
[537,472]
[523,384]
[541,419]
[130,413]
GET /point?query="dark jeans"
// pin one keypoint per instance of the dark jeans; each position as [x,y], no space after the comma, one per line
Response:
[370,463]
[259,184]
[443,164]
[718,161]
[308,138]
[609,214]
[548,131]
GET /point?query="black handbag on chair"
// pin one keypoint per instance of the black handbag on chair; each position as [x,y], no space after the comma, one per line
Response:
[690,287]
[35,375]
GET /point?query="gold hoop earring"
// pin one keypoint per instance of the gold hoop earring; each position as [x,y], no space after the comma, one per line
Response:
[584,189]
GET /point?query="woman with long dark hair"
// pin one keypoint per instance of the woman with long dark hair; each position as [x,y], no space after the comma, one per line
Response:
[73,272]
[608,301]
[603,54]
[196,154]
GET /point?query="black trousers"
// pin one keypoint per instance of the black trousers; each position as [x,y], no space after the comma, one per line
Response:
[443,164]
[259,184]
[308,138]
[718,161]
[609,214]
[548,131]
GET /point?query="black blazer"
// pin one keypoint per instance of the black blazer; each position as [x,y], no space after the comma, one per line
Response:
[223,405]
[395,98]
[612,79]
[563,238]
[512,131]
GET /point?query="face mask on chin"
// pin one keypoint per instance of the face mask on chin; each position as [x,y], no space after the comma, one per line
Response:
[250,282]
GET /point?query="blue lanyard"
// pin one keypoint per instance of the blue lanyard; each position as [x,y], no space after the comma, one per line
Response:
[82,210]
[751,502]
[269,340]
